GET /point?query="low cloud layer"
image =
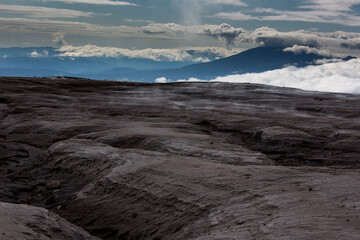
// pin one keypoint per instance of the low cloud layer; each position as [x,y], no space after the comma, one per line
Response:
[342,77]
[307,50]
[339,77]
[195,54]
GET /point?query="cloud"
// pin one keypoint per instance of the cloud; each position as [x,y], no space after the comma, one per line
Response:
[308,50]
[191,80]
[95,2]
[153,54]
[330,5]
[138,20]
[59,39]
[168,28]
[222,32]
[339,43]
[165,80]
[225,2]
[326,43]
[327,60]
[236,16]
[27,25]
[193,10]
[270,37]
[196,54]
[211,53]
[263,36]
[324,11]
[161,80]
[342,77]
[43,54]
[352,46]
[44,12]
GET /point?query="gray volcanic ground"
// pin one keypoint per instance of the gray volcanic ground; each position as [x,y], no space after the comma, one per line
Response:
[177,161]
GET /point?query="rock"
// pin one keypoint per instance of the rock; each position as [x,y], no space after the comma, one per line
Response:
[53,185]
[50,200]
[183,160]
[21,222]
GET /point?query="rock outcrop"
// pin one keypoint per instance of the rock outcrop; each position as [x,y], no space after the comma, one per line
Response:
[184,160]
[19,221]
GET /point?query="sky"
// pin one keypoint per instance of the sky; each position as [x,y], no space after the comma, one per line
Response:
[158,28]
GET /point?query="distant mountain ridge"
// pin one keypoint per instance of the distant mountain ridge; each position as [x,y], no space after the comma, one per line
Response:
[17,62]
[254,60]
[45,61]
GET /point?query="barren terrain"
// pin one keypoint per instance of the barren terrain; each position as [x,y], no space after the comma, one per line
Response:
[177,161]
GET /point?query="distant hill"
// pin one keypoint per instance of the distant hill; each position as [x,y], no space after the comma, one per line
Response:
[254,60]
[258,59]
[45,61]
[20,62]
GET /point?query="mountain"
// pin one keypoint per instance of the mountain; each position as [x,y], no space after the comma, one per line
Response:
[258,59]
[44,61]
[254,60]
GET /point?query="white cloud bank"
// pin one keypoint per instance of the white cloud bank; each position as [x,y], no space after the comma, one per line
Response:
[193,54]
[338,77]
